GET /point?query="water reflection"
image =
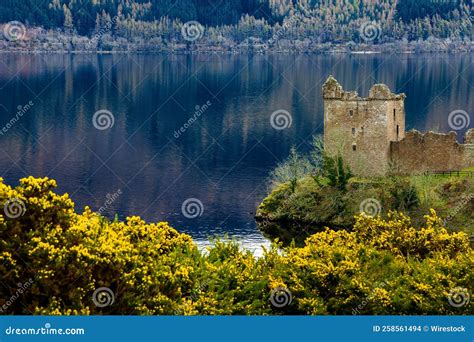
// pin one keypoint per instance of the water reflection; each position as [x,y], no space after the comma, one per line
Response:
[224,157]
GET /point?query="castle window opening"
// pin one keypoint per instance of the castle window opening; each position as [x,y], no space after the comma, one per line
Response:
[353,131]
[398,131]
[394,114]
[354,147]
[362,129]
[351,113]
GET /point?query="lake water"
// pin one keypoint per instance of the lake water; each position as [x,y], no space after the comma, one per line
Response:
[147,166]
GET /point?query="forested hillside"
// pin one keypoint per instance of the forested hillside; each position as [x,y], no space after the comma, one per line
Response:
[321,21]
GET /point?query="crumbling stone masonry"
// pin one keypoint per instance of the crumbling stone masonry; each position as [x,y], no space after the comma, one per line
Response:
[370,135]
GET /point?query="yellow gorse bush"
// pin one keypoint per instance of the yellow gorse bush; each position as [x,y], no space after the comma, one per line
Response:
[379,267]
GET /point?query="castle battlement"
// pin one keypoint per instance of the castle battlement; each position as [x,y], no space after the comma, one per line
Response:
[370,134]
[332,90]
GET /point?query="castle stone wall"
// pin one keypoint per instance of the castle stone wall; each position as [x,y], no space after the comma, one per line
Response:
[370,135]
[418,153]
[360,138]
[360,129]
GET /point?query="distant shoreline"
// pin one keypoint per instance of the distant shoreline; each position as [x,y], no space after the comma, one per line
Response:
[45,42]
[237,52]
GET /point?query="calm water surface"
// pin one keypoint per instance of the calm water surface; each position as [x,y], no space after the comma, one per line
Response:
[224,157]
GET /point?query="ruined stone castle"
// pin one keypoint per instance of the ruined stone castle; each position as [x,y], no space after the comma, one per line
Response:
[370,135]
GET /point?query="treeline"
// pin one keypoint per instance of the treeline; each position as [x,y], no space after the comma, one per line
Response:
[321,21]
[54,13]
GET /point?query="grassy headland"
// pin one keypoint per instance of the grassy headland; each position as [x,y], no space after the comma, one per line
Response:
[297,208]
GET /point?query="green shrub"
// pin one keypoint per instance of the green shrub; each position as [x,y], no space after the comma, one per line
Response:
[380,267]
[405,195]
[292,169]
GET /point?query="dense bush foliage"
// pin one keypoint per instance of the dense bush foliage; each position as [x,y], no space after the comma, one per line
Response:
[323,168]
[381,267]
[292,169]
[335,171]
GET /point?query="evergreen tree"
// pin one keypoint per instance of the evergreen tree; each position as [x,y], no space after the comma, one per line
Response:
[320,21]
[68,22]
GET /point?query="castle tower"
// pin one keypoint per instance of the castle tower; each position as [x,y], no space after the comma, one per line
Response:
[361,129]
